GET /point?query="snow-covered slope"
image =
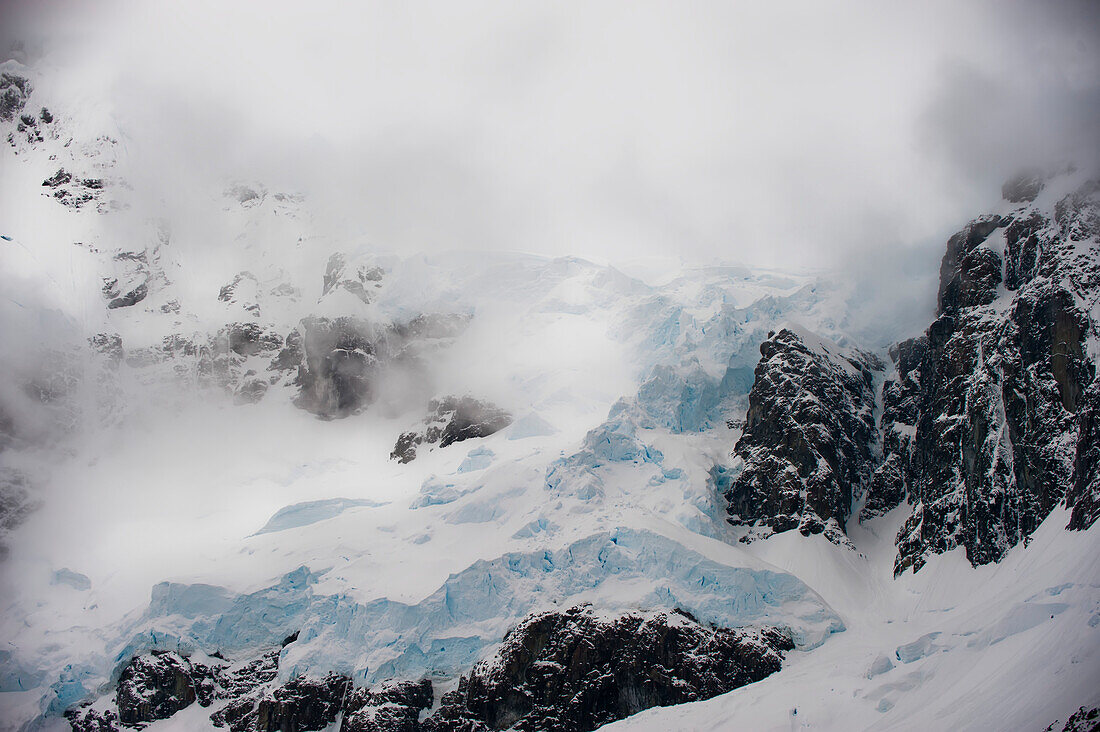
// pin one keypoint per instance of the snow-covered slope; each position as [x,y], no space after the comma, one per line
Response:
[206,452]
[1008,646]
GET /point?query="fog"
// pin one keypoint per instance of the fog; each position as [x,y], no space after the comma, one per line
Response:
[477,164]
[851,138]
[794,135]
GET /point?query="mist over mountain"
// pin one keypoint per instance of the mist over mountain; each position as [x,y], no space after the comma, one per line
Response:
[511,367]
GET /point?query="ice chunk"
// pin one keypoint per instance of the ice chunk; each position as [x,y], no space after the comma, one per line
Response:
[477,459]
[530,425]
[880,665]
[445,632]
[680,402]
[436,492]
[924,646]
[76,580]
[537,526]
[310,512]
[478,512]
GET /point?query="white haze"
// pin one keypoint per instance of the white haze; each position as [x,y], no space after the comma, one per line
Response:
[852,138]
[795,134]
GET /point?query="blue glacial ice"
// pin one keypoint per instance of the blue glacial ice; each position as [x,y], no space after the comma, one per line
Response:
[310,512]
[477,459]
[530,425]
[68,577]
[451,628]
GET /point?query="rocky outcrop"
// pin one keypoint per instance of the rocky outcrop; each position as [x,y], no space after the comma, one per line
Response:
[969,275]
[14,92]
[987,419]
[150,688]
[134,274]
[1084,493]
[338,359]
[390,707]
[159,685]
[574,671]
[244,697]
[234,292]
[72,191]
[356,280]
[334,364]
[809,437]
[242,687]
[570,671]
[80,164]
[299,704]
[900,410]
[1085,719]
[450,420]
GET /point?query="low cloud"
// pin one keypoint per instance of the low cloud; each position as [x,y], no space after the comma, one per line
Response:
[799,135]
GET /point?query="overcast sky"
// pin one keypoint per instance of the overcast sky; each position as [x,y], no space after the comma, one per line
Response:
[790,134]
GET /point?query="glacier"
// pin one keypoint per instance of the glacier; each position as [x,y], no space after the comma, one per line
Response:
[168,495]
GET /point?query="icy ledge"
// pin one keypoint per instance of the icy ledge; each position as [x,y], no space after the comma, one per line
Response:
[447,632]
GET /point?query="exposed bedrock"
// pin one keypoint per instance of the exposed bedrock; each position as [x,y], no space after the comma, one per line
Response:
[808,440]
[988,421]
[999,388]
[575,671]
[561,671]
[451,419]
[338,360]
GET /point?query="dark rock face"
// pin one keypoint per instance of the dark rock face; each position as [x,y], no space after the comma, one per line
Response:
[300,704]
[808,440]
[159,685]
[989,420]
[335,363]
[900,411]
[67,189]
[1084,493]
[451,419]
[133,297]
[242,687]
[339,359]
[59,178]
[244,194]
[108,345]
[132,277]
[965,276]
[248,339]
[356,282]
[228,293]
[151,687]
[86,719]
[570,671]
[14,90]
[987,414]
[391,707]
[574,671]
[1083,720]
[434,326]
